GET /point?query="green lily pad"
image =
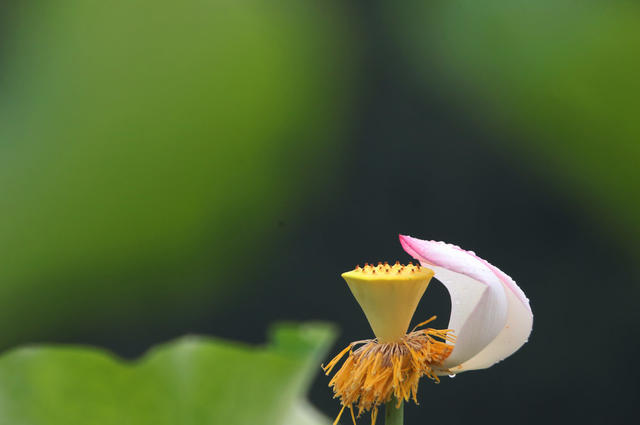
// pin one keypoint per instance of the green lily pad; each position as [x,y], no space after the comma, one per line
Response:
[191,381]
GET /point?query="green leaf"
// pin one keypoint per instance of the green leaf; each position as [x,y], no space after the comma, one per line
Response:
[191,381]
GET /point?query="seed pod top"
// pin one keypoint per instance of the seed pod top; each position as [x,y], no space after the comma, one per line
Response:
[388,295]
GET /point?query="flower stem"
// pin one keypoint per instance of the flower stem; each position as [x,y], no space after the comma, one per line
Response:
[393,415]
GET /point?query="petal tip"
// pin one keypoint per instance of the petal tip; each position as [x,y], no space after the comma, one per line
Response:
[407,243]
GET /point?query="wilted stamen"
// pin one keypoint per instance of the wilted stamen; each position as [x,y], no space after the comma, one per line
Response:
[375,372]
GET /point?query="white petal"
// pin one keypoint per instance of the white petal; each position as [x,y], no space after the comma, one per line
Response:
[490,315]
[509,340]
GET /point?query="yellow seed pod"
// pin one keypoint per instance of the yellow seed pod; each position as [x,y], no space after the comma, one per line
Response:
[388,295]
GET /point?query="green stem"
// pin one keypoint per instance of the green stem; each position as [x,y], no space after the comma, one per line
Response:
[393,415]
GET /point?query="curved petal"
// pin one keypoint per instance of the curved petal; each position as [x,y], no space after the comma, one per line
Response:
[516,331]
[478,300]
[490,315]
[513,336]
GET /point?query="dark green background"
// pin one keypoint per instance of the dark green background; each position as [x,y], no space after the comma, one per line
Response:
[211,167]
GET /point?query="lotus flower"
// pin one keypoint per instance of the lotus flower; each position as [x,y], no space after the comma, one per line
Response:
[490,320]
[490,315]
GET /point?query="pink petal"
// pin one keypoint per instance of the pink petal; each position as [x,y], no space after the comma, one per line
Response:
[490,315]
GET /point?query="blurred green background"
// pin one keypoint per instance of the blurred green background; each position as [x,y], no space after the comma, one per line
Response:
[148,148]
[212,166]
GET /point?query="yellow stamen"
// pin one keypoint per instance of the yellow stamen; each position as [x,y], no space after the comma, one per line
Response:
[376,372]
[339,414]
[419,325]
[353,418]
[329,367]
